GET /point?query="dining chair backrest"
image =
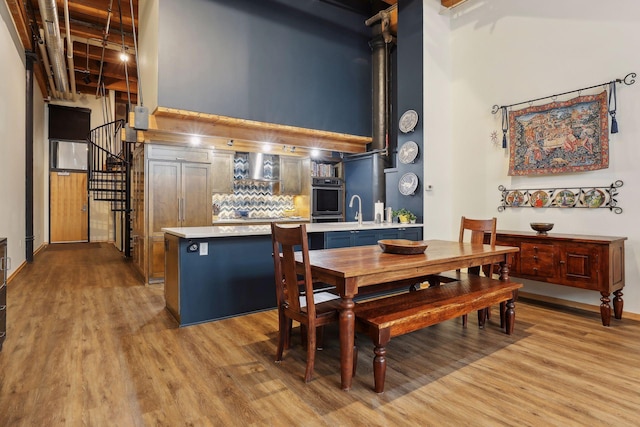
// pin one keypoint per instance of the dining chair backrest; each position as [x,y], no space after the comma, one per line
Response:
[286,240]
[479,228]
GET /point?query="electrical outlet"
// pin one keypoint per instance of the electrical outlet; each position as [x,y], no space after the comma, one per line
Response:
[204,248]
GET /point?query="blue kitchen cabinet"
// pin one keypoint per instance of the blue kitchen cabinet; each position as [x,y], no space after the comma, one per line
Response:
[342,239]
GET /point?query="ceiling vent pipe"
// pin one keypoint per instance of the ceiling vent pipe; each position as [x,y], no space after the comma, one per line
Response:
[55,47]
[70,66]
[47,66]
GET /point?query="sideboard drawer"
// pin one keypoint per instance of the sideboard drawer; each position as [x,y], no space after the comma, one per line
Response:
[538,259]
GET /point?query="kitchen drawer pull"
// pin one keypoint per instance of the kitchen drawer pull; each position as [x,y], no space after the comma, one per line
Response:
[535,257]
[562,262]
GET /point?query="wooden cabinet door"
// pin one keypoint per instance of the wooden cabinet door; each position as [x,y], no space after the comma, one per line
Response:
[290,175]
[195,195]
[164,195]
[580,266]
[222,172]
[164,210]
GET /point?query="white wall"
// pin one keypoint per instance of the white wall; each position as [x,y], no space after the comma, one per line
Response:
[438,128]
[507,51]
[12,153]
[12,147]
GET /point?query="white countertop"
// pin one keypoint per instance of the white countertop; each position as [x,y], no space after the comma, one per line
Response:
[257,230]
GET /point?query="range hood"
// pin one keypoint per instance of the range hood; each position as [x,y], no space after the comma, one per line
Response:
[258,167]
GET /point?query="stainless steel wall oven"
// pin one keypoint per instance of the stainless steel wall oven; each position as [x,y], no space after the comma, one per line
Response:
[327,200]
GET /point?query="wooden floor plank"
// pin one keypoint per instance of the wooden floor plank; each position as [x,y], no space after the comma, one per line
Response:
[88,344]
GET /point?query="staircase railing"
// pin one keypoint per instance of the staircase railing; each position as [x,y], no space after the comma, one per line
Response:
[109,173]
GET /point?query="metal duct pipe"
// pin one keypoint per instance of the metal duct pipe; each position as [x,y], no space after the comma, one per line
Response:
[49,14]
[70,66]
[380,120]
[47,65]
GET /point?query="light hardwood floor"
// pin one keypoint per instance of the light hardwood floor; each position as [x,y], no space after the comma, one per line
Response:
[88,344]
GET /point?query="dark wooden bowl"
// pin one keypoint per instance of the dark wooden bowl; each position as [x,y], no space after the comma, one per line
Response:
[541,227]
[402,246]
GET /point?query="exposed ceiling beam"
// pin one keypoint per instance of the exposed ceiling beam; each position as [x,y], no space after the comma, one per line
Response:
[450,3]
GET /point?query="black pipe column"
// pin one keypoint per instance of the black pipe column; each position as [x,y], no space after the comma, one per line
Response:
[380,46]
[28,241]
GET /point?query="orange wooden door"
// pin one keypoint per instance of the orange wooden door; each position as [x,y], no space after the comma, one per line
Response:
[69,212]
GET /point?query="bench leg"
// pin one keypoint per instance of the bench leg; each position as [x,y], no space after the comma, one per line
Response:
[379,360]
[482,316]
[510,316]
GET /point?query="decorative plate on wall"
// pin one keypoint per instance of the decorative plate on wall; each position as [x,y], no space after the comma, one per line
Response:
[408,121]
[565,198]
[539,199]
[408,184]
[514,198]
[594,198]
[408,152]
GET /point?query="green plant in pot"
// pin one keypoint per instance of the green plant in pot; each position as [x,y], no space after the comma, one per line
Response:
[404,215]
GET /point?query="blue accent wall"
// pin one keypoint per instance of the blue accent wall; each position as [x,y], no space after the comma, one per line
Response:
[291,62]
[409,91]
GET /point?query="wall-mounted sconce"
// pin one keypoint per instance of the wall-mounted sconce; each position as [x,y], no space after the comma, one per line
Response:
[230,143]
[293,149]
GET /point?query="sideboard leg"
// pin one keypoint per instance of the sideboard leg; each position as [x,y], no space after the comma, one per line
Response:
[618,303]
[605,308]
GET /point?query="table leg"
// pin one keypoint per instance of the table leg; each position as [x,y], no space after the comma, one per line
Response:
[605,308]
[347,337]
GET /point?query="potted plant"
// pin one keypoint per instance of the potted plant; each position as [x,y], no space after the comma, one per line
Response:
[404,215]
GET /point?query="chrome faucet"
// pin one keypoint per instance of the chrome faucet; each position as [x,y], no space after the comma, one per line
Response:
[359,213]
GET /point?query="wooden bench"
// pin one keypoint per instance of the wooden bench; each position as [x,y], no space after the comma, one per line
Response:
[388,317]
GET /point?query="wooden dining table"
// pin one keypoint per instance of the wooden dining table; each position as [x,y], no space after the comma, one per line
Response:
[351,270]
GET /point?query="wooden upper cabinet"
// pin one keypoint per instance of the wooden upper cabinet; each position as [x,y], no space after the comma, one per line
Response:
[222,172]
[290,175]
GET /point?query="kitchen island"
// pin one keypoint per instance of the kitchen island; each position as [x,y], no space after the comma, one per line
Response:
[216,272]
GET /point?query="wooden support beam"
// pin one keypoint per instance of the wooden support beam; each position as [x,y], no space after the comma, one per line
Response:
[173,125]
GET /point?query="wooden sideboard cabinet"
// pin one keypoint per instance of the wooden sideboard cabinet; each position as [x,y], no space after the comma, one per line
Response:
[588,262]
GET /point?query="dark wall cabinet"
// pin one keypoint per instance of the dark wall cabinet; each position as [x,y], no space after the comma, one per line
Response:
[588,262]
[4,266]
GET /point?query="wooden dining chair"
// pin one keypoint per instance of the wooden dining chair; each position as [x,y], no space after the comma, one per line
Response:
[476,230]
[313,310]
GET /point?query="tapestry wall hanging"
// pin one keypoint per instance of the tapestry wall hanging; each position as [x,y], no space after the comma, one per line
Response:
[560,137]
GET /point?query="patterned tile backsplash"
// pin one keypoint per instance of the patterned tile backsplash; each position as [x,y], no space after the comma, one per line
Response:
[253,196]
